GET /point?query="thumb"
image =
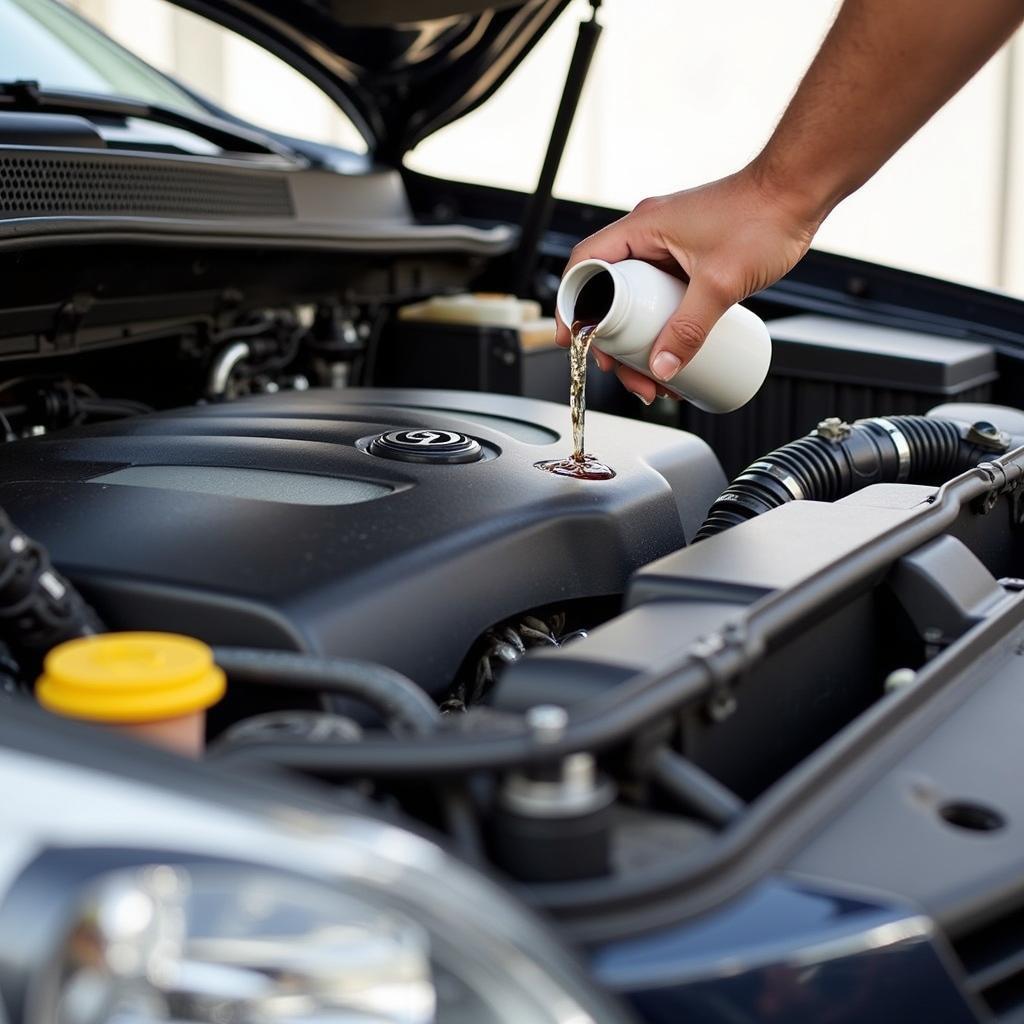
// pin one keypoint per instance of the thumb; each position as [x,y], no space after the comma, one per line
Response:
[681,338]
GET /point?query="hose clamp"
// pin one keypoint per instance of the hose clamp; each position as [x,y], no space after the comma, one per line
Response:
[786,479]
[900,443]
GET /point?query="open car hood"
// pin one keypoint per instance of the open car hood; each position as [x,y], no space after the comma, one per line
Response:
[400,69]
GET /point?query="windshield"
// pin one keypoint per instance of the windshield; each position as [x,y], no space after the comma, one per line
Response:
[44,42]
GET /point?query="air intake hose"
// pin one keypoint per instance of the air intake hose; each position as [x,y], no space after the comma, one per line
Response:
[837,459]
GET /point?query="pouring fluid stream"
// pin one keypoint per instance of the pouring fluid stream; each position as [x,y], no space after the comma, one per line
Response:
[630,302]
[579,465]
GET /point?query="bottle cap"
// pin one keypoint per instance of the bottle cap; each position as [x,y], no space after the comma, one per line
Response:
[130,677]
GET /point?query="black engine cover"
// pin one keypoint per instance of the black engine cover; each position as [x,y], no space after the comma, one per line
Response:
[270,522]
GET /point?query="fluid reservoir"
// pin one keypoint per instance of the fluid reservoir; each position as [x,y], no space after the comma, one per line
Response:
[155,687]
[485,309]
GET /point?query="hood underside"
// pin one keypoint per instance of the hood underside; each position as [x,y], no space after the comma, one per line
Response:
[400,69]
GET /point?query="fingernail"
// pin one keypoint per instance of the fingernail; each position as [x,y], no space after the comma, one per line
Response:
[644,399]
[666,365]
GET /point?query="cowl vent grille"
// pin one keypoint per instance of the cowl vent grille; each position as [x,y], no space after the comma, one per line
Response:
[38,186]
[993,959]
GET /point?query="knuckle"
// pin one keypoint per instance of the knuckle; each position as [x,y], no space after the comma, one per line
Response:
[685,334]
[720,285]
[578,254]
[647,205]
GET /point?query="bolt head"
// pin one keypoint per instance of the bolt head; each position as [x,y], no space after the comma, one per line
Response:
[547,722]
[899,679]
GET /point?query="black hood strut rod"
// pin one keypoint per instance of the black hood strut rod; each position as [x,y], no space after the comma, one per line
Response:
[541,204]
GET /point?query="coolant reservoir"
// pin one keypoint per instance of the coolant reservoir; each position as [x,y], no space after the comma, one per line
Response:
[485,309]
[155,687]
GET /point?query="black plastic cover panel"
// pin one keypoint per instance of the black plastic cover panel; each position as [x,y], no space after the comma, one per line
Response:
[827,348]
[60,191]
[267,521]
[675,601]
[40,181]
[942,824]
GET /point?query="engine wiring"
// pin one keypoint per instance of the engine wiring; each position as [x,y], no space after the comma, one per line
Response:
[39,607]
[504,645]
[51,402]
[264,351]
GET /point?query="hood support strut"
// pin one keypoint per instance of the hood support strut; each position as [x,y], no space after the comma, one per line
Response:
[541,204]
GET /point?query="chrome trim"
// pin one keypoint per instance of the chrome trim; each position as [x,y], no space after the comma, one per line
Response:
[900,443]
[796,492]
[224,365]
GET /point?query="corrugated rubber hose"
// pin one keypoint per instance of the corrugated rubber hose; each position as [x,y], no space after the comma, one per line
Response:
[838,458]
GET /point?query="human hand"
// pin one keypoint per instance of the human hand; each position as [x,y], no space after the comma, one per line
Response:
[730,238]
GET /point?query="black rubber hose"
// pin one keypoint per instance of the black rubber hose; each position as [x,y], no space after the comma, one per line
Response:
[39,608]
[697,792]
[397,698]
[838,459]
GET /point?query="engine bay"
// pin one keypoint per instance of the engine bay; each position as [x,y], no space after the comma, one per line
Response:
[589,684]
[628,697]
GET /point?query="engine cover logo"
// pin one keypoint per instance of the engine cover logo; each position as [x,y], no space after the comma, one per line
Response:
[426,445]
[427,438]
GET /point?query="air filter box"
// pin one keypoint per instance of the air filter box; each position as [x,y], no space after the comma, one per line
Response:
[827,367]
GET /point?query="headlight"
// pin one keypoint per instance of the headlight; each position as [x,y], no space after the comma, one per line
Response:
[141,904]
[219,944]
[201,942]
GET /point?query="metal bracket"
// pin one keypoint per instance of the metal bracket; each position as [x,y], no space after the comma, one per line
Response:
[999,484]
[721,702]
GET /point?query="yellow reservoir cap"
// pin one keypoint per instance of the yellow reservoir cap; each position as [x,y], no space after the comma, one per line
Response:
[130,677]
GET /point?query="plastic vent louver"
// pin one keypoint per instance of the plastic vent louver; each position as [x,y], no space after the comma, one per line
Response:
[993,959]
[40,186]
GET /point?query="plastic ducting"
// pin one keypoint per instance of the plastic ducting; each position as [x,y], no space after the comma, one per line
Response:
[838,458]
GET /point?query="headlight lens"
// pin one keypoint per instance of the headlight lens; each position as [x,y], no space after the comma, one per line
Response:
[163,943]
[208,942]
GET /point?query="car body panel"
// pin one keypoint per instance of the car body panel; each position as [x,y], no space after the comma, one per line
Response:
[398,80]
[788,951]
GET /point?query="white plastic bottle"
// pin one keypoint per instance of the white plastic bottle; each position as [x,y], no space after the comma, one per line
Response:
[632,301]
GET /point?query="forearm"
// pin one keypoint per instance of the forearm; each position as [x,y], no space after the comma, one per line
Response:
[884,69]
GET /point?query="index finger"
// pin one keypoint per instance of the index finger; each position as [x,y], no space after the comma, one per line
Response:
[621,240]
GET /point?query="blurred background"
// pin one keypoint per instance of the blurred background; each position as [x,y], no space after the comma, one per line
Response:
[683,93]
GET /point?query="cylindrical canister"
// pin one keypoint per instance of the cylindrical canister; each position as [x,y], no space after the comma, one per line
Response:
[631,301]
